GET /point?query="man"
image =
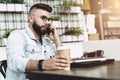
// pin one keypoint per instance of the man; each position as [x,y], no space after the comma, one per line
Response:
[33,49]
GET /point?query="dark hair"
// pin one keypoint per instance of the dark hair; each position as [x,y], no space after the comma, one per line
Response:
[41,6]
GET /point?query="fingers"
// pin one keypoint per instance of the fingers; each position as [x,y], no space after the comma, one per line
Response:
[61,62]
[60,58]
[51,26]
[56,63]
[61,66]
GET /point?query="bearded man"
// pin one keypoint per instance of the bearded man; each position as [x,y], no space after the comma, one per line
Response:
[34,48]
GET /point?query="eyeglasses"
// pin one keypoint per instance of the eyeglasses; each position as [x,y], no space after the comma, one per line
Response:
[44,19]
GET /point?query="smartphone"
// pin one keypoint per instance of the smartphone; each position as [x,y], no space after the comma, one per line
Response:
[49,30]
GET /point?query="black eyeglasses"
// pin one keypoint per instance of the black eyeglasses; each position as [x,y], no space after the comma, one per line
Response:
[44,19]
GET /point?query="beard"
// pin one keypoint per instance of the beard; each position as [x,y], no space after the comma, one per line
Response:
[38,29]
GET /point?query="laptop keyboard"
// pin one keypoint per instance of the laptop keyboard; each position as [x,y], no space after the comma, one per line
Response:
[90,63]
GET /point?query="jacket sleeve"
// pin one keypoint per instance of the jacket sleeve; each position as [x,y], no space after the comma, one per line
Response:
[15,52]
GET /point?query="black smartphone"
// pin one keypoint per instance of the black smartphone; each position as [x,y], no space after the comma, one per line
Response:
[48,30]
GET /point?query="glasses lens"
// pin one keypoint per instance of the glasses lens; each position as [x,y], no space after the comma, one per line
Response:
[44,18]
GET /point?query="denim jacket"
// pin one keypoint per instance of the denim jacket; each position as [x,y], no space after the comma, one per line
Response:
[23,46]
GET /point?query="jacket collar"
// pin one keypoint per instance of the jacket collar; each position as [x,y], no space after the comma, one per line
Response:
[45,40]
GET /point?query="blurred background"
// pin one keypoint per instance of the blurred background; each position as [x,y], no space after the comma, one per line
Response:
[76,20]
[78,23]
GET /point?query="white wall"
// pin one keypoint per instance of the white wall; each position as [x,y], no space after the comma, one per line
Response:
[111,48]
[75,49]
[2,53]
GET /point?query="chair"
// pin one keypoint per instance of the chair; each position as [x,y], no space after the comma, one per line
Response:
[3,66]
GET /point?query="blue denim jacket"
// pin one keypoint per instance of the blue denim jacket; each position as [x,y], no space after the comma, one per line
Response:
[23,46]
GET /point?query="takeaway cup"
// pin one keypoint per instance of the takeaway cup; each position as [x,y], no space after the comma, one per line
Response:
[64,51]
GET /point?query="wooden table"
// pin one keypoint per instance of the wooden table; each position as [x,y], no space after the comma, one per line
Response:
[109,71]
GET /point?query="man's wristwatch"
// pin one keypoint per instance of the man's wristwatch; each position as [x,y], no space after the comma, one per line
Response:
[40,64]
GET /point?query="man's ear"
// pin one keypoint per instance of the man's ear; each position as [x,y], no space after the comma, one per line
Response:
[30,18]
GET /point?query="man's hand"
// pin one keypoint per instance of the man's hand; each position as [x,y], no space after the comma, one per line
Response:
[56,63]
[54,36]
[53,32]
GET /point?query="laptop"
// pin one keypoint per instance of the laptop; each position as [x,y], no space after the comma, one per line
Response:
[89,59]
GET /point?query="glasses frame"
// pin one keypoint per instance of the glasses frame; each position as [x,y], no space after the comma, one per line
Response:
[44,19]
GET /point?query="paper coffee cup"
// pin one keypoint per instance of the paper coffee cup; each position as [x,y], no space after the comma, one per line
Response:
[64,51]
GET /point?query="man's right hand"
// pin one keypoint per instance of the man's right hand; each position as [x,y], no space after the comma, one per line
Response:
[55,63]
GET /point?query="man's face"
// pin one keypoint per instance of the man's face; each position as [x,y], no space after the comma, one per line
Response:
[38,29]
[40,21]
